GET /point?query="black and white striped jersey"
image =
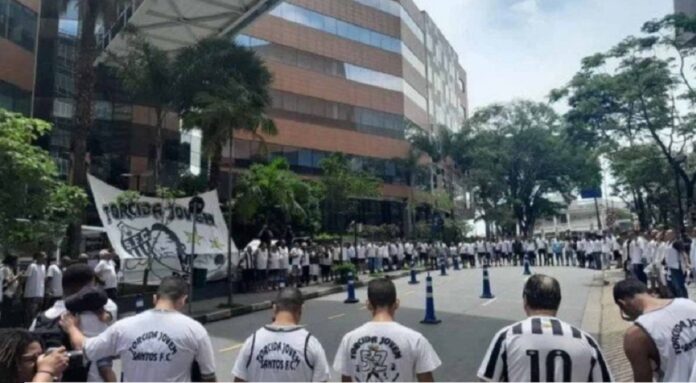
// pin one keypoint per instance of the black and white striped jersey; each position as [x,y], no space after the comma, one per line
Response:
[540,349]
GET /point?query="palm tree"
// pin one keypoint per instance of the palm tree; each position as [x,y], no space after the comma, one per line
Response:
[412,166]
[222,87]
[90,13]
[147,73]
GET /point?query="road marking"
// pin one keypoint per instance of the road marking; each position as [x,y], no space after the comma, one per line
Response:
[489,302]
[336,316]
[236,346]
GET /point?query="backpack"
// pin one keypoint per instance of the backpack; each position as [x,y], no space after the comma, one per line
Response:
[52,336]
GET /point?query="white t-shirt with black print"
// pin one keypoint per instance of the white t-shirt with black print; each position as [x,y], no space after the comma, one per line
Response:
[385,351]
[155,346]
[282,354]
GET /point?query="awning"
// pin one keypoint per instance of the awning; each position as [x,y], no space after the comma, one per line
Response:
[175,24]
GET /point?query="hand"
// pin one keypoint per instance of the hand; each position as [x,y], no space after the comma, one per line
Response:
[69,321]
[54,362]
[104,316]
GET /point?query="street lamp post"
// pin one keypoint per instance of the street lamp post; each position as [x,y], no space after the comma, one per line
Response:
[196,206]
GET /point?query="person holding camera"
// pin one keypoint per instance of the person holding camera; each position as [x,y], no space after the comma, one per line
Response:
[158,345]
[22,358]
[96,312]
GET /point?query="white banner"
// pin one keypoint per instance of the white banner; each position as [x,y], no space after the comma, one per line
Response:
[161,232]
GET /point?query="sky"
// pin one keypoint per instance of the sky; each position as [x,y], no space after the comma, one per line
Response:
[515,49]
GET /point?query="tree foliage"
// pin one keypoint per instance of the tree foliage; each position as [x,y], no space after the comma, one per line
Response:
[342,186]
[519,157]
[222,87]
[639,174]
[272,194]
[35,206]
[148,74]
[640,92]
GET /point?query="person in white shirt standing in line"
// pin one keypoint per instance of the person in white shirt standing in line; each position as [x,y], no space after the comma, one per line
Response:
[678,265]
[274,266]
[106,273]
[54,283]
[261,257]
[382,349]
[361,251]
[158,345]
[659,345]
[283,351]
[9,280]
[283,263]
[34,287]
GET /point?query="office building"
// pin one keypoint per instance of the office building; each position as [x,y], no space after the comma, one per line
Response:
[350,76]
[18,31]
[354,77]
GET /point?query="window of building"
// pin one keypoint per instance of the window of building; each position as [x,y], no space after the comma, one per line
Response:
[14,99]
[4,11]
[334,26]
[21,28]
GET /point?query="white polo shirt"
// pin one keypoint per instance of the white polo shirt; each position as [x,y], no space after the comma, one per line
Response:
[55,288]
[34,287]
[106,271]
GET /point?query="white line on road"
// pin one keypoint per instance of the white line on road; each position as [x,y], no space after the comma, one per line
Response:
[336,316]
[489,302]
[236,346]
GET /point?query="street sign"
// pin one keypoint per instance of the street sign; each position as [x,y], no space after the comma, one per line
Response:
[591,193]
[196,205]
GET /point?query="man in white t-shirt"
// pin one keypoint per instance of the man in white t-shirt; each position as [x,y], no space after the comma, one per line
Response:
[261,256]
[106,273]
[158,345]
[54,283]
[34,287]
[283,351]
[92,323]
[382,349]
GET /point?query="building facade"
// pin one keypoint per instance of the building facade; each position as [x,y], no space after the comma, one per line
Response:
[18,38]
[350,76]
[353,77]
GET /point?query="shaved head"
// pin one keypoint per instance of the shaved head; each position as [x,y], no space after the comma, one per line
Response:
[289,299]
[542,292]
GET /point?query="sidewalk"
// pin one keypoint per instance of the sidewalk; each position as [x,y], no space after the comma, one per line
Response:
[209,310]
[612,330]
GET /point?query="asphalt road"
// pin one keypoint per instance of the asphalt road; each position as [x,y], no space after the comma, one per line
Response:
[468,322]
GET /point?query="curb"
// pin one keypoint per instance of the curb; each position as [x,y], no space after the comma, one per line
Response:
[223,314]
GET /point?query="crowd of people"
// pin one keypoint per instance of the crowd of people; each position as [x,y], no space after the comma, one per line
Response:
[273,264]
[71,330]
[24,293]
[78,338]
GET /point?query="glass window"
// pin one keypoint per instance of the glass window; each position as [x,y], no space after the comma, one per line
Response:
[291,154]
[6,97]
[22,26]
[242,149]
[317,157]
[342,29]
[303,105]
[3,16]
[290,102]
[305,158]
[330,25]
